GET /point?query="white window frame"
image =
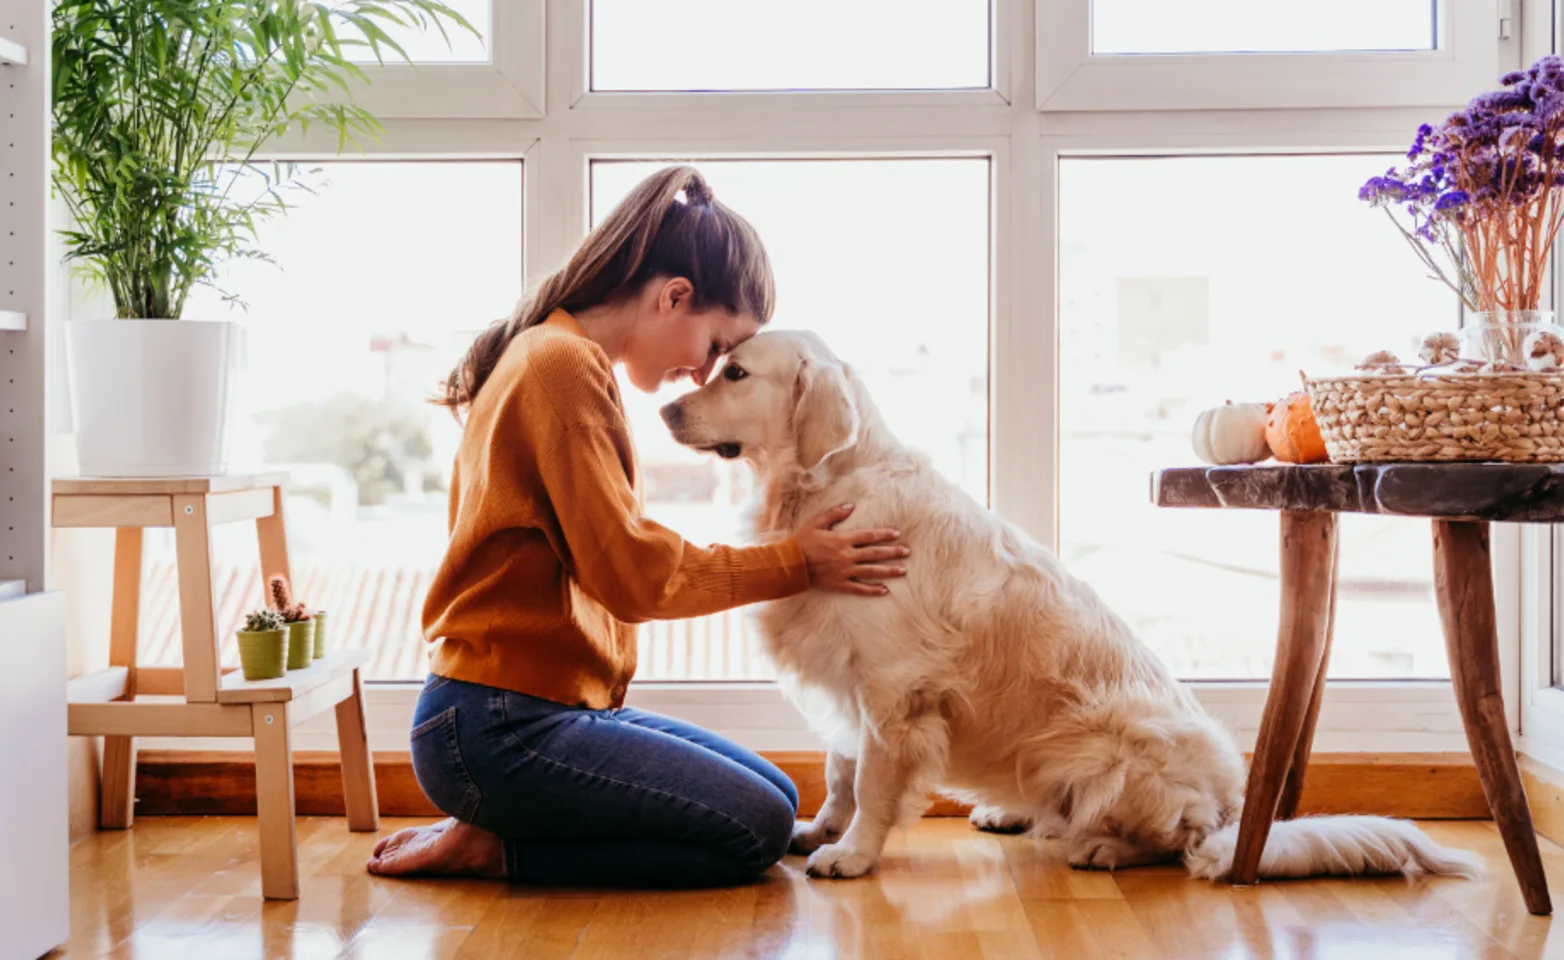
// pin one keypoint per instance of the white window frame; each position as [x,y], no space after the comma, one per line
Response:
[1071,77]
[1541,552]
[1024,147]
[509,86]
[1002,14]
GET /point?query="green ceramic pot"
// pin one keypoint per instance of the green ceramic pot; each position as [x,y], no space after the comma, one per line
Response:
[320,633]
[263,653]
[301,644]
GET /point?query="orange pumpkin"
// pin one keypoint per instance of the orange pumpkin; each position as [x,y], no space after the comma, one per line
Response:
[1292,433]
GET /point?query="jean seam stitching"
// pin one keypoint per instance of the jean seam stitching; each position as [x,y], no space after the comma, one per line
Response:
[473,796]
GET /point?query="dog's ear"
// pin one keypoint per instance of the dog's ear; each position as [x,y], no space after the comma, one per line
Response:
[825,419]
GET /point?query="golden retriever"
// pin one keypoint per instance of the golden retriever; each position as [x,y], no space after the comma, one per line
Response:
[990,673]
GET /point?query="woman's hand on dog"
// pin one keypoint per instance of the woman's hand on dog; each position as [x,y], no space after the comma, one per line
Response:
[850,561]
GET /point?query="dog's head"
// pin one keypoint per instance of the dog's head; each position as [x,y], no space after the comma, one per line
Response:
[780,393]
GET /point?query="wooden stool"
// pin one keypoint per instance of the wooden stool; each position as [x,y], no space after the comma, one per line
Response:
[1461,499]
[216,703]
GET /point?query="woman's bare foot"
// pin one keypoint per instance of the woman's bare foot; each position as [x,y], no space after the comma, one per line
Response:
[449,848]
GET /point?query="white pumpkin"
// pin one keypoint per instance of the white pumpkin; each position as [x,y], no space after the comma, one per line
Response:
[1232,433]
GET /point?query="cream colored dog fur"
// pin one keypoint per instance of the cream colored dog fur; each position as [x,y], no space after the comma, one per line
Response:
[990,673]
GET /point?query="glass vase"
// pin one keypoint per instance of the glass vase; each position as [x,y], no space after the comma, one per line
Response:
[1501,335]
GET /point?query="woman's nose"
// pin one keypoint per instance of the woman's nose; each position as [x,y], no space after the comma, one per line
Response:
[701,375]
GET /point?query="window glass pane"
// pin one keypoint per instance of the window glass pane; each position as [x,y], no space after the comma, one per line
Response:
[888,261]
[383,277]
[694,45]
[1186,282]
[456,45]
[1261,26]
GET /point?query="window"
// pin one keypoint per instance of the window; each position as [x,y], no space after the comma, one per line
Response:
[431,46]
[977,260]
[1262,26]
[887,260]
[694,45]
[382,278]
[1239,272]
[1108,55]
[494,75]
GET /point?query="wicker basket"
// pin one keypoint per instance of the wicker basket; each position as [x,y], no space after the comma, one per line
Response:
[1379,418]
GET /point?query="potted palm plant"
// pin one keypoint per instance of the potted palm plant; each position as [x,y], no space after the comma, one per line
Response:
[161,108]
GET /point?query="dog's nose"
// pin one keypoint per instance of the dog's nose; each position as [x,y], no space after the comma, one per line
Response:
[672,415]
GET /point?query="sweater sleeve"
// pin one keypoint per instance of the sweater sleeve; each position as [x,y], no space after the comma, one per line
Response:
[636,568]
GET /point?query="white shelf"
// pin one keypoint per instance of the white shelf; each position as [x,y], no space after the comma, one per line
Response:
[13,320]
[12,52]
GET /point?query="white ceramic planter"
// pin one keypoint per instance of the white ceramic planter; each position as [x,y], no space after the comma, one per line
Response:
[152,398]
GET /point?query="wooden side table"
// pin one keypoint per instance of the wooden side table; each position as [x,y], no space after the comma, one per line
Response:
[215,703]
[1461,499]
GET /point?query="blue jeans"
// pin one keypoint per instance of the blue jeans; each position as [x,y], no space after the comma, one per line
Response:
[599,797]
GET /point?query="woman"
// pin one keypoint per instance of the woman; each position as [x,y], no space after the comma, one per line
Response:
[521,735]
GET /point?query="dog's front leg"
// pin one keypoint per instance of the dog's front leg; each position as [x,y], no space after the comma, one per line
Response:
[837,810]
[884,771]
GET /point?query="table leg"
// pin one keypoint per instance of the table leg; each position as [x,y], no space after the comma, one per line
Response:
[1463,584]
[1308,566]
[1292,791]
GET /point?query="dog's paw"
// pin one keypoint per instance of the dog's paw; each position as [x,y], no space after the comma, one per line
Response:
[840,861]
[809,837]
[1110,853]
[996,820]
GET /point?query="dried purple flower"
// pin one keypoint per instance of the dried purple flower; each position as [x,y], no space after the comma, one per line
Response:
[1485,179]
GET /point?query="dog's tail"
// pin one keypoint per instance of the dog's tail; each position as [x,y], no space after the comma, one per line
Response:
[1335,846]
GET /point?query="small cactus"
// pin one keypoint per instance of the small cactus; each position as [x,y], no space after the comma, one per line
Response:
[263,620]
[282,599]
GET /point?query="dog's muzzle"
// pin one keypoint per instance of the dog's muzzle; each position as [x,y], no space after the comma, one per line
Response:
[673,416]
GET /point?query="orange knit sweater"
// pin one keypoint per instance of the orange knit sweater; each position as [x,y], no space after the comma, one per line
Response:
[550,562]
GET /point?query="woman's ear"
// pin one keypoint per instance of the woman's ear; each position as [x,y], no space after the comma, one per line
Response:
[675,295]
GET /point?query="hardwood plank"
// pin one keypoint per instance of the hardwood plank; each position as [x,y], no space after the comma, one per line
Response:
[521,923]
[178,886]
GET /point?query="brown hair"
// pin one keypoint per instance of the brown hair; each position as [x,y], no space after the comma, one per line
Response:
[651,233]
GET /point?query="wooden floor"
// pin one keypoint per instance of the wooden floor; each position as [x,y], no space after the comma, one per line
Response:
[190,887]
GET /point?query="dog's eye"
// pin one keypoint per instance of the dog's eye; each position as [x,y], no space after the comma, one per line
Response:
[734,372]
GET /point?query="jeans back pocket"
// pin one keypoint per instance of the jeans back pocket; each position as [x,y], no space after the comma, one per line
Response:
[438,766]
